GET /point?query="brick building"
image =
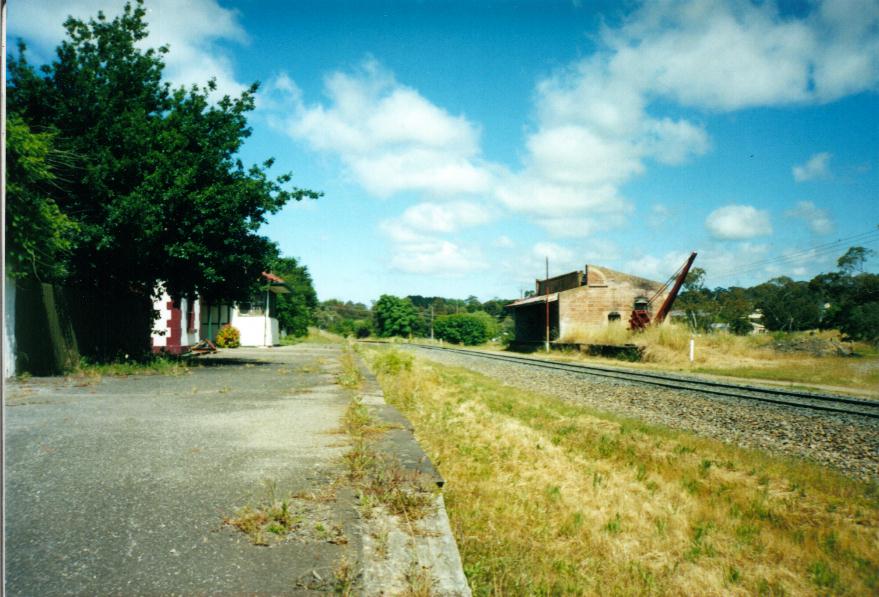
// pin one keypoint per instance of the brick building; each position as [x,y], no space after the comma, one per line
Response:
[579,299]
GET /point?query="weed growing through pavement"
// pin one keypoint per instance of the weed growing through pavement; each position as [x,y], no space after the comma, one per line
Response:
[270,521]
[419,582]
[350,376]
[344,578]
[379,477]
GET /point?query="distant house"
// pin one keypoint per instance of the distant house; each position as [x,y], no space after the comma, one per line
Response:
[593,297]
[181,325]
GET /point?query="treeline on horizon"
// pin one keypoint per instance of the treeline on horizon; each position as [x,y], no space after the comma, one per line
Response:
[846,299]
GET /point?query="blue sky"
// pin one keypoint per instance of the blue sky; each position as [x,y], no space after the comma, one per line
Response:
[458,144]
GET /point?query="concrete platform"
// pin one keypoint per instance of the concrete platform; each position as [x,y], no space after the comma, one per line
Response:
[119,486]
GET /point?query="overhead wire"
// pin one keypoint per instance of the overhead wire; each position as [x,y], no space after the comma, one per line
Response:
[868,238]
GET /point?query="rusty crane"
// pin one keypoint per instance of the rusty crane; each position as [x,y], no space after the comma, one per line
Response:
[640,317]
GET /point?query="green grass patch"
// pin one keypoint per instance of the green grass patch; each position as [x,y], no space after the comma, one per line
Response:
[154,365]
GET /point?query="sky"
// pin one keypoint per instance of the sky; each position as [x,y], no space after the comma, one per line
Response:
[460,144]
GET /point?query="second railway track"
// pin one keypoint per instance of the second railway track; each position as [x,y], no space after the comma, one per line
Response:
[828,403]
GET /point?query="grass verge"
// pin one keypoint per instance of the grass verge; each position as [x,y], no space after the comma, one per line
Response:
[547,497]
[155,365]
[818,358]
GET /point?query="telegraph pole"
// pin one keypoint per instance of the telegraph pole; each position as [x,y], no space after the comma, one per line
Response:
[3,356]
[546,292]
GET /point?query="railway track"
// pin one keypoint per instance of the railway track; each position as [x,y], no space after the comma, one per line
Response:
[829,403]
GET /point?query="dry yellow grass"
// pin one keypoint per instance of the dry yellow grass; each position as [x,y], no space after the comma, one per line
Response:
[547,497]
[722,353]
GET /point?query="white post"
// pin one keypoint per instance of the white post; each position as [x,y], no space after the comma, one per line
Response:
[265,327]
[7,333]
[692,349]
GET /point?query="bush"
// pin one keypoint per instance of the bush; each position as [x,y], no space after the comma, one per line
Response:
[362,328]
[463,328]
[228,337]
[392,362]
[862,323]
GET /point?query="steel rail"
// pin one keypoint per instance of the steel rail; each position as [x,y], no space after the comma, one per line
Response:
[690,384]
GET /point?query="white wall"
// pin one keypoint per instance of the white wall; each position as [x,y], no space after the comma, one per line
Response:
[160,324]
[9,328]
[253,329]
[161,329]
[190,338]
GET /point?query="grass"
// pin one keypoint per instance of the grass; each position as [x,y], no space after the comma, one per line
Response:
[377,475]
[349,376]
[315,336]
[547,497]
[154,365]
[268,522]
[770,357]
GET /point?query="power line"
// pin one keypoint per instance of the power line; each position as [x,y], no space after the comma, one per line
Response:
[868,238]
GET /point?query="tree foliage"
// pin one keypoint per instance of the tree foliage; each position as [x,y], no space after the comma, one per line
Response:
[853,259]
[295,311]
[39,236]
[157,192]
[464,328]
[394,316]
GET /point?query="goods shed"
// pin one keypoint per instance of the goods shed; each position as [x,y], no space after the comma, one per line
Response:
[578,300]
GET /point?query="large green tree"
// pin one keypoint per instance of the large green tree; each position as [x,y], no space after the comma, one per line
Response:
[395,316]
[787,305]
[157,191]
[295,311]
[464,328]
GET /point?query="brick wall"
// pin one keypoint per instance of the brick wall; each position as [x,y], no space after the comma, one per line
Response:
[607,291]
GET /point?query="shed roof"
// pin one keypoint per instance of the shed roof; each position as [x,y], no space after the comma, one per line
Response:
[534,300]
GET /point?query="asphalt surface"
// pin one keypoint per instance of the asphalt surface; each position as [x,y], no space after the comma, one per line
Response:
[120,485]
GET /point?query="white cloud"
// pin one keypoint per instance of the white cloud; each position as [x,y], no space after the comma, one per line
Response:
[196,32]
[436,257]
[417,248]
[738,222]
[538,196]
[733,55]
[389,137]
[816,167]
[656,268]
[446,217]
[559,257]
[819,220]
[600,120]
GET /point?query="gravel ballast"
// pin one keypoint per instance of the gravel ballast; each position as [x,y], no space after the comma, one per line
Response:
[847,443]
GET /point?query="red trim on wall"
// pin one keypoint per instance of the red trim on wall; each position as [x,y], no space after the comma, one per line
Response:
[174,331]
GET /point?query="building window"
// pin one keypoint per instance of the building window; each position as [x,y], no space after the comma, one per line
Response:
[251,308]
[613,316]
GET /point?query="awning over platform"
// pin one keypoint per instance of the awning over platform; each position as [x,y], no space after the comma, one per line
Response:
[534,300]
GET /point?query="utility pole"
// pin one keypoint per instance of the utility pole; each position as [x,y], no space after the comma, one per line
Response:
[431,321]
[3,331]
[546,292]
